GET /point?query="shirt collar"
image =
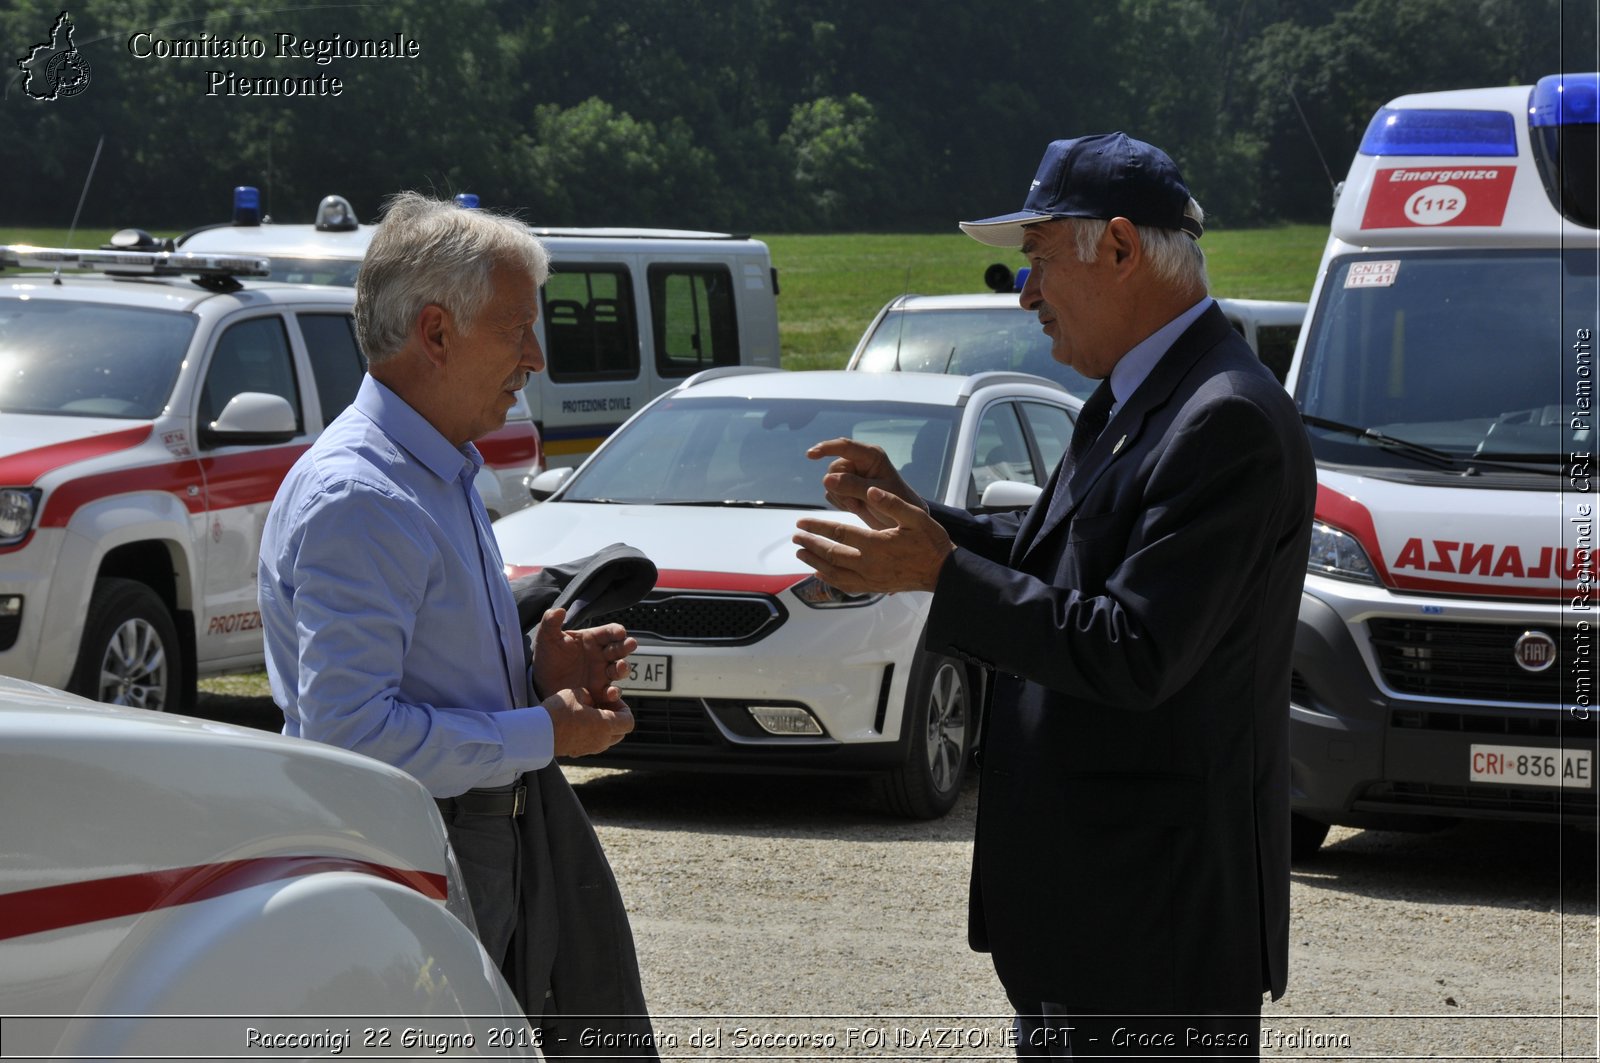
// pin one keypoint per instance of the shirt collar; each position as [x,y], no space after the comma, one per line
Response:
[411,431]
[1131,370]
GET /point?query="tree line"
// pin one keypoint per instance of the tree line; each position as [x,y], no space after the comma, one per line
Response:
[743,115]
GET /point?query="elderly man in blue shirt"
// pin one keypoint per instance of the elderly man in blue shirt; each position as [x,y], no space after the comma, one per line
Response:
[390,626]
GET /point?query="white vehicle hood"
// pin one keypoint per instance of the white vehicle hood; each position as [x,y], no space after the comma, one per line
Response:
[21,432]
[690,539]
[1477,541]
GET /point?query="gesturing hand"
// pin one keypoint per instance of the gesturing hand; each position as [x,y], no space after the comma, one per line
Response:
[902,550]
[589,659]
[581,728]
[856,468]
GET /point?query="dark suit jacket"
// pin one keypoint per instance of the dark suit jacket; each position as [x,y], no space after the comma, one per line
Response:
[1132,847]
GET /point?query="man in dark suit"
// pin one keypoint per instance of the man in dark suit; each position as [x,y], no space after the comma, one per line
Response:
[1131,873]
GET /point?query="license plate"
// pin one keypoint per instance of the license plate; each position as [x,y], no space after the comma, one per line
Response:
[1532,766]
[647,672]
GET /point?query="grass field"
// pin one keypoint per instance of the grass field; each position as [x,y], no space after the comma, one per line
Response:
[831,286]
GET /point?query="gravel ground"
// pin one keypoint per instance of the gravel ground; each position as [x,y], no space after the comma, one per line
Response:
[792,897]
[782,918]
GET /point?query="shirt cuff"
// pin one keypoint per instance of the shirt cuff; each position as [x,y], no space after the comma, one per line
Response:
[527,736]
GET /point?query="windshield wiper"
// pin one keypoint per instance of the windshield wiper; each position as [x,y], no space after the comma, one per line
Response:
[1469,463]
[1520,460]
[741,503]
[1440,458]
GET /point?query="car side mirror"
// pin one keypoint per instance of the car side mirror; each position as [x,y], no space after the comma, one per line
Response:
[547,483]
[252,417]
[1008,494]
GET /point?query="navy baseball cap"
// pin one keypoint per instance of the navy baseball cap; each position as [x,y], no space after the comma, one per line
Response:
[1106,175]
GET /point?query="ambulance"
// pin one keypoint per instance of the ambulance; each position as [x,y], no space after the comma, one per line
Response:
[626,315]
[1444,661]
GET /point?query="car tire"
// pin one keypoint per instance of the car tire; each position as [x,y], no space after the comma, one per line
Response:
[1306,836]
[941,715]
[130,653]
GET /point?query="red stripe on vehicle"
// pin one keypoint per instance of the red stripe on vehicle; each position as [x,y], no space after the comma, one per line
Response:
[683,579]
[25,467]
[1346,514]
[515,444]
[247,478]
[692,580]
[48,908]
[1490,590]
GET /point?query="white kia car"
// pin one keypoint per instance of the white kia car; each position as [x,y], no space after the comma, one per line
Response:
[746,660]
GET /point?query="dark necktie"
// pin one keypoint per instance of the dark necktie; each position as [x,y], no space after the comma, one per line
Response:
[1091,422]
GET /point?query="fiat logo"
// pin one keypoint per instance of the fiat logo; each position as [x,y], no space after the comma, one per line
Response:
[1535,651]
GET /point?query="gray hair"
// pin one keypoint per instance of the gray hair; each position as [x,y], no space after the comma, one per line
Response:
[1172,254]
[433,251]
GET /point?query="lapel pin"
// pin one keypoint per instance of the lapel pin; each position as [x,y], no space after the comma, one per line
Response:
[1118,447]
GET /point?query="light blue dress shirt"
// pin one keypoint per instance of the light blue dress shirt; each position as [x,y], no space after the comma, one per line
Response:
[1131,370]
[390,627]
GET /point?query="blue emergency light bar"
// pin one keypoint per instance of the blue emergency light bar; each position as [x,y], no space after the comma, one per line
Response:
[467,200]
[246,205]
[1565,99]
[1408,131]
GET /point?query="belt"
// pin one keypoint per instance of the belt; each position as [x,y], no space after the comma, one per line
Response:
[512,802]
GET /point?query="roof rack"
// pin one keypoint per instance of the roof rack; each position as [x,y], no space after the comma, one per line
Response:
[216,272]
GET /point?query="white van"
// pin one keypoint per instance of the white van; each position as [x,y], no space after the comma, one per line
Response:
[1444,661]
[627,313]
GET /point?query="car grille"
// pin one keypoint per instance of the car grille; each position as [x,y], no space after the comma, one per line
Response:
[1445,659]
[1566,727]
[1530,802]
[729,620]
[670,722]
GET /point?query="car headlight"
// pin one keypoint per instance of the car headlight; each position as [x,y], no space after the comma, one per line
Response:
[1337,554]
[17,508]
[819,595]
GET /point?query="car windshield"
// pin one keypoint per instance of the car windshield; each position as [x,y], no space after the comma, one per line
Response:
[719,451]
[966,341]
[89,359]
[1469,354]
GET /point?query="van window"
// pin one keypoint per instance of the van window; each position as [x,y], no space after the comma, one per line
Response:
[251,356]
[336,361]
[695,324]
[589,324]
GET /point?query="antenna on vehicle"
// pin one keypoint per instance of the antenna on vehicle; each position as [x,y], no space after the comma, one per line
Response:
[1288,87]
[901,334]
[82,196]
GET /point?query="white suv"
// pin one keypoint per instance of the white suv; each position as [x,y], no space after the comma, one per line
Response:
[147,416]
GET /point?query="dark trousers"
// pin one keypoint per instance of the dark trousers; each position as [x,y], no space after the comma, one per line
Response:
[489,850]
[1050,1031]
[539,921]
